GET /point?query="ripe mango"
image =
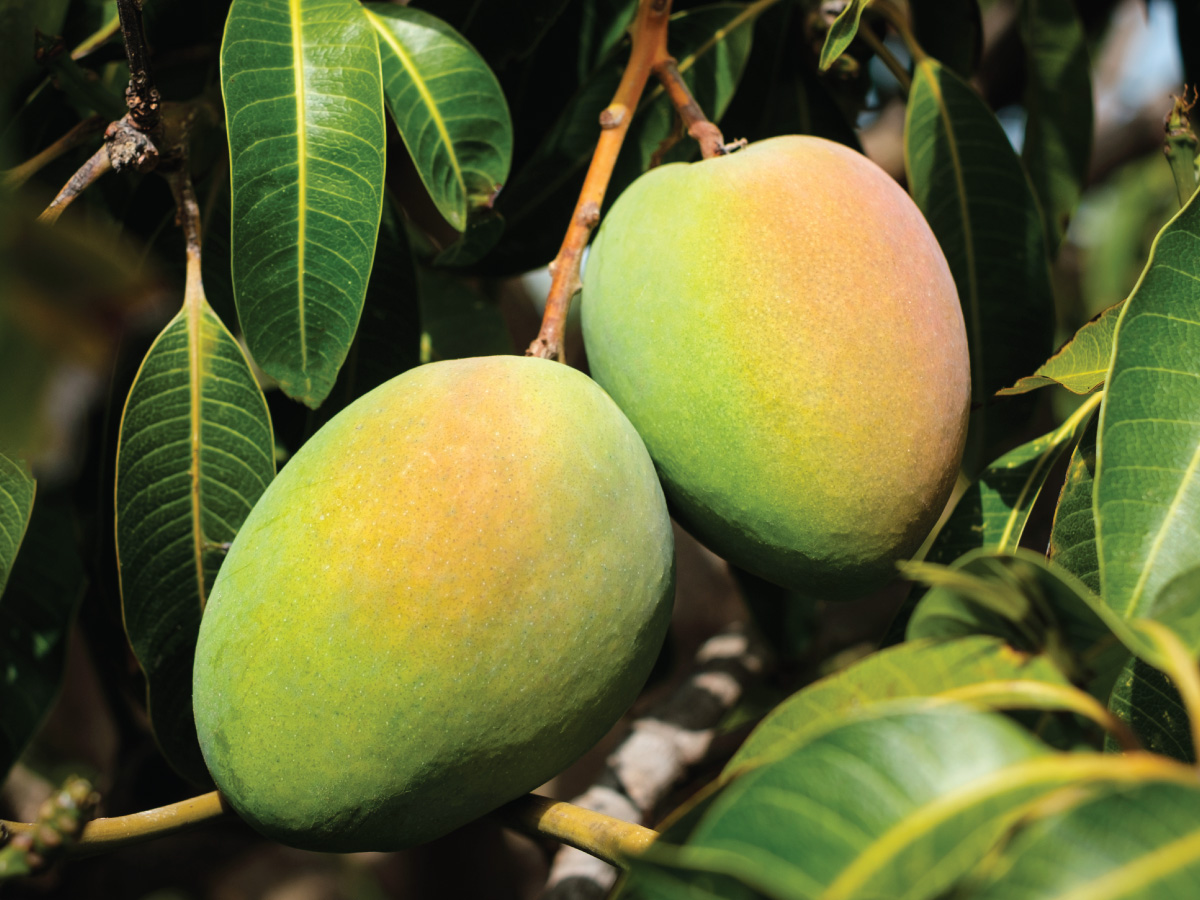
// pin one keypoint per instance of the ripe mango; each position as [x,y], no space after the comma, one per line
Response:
[451,591]
[782,328]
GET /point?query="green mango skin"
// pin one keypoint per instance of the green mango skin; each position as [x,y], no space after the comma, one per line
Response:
[451,592]
[782,329]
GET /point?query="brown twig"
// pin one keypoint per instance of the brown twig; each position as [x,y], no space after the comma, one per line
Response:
[704,132]
[141,96]
[18,175]
[649,34]
[97,165]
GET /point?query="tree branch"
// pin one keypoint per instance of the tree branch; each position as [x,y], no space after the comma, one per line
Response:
[649,34]
[142,97]
[97,165]
[18,175]
[704,132]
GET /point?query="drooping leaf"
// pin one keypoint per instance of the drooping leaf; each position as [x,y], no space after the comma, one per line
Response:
[992,513]
[36,610]
[1147,489]
[841,33]
[304,114]
[711,45]
[919,668]
[448,107]
[1073,535]
[968,182]
[17,489]
[1058,100]
[1081,364]
[951,31]
[1146,700]
[195,452]
[1137,841]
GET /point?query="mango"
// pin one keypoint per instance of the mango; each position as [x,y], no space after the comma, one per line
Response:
[452,591]
[782,329]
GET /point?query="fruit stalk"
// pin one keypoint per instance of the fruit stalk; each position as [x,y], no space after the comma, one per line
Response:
[598,835]
[649,36]
[704,132]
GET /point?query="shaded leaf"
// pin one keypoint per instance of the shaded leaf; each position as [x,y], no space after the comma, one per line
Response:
[1139,841]
[1073,535]
[195,452]
[306,142]
[1146,700]
[17,488]
[968,182]
[951,31]
[502,32]
[920,668]
[1058,99]
[447,106]
[36,610]
[457,321]
[1081,365]
[1147,488]
[841,33]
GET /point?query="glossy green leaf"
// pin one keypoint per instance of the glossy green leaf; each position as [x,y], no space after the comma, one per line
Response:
[1073,534]
[711,45]
[1147,489]
[448,107]
[304,114]
[951,31]
[195,453]
[1139,841]
[919,668]
[36,610]
[1058,100]
[992,513]
[841,33]
[1147,701]
[1081,365]
[17,489]
[968,182]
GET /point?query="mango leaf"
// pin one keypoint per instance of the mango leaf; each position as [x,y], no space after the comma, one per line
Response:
[1136,841]
[968,182]
[841,33]
[711,45]
[919,668]
[1058,99]
[195,453]
[457,321]
[951,31]
[1073,534]
[1147,489]
[992,513]
[448,107]
[1082,363]
[36,611]
[17,489]
[304,114]
[1146,700]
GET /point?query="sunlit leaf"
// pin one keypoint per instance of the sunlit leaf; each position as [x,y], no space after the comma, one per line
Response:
[841,32]
[1081,365]
[304,114]
[16,502]
[448,107]
[195,453]
[1147,489]
[968,182]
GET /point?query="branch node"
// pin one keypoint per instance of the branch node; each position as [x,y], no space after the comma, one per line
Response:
[589,214]
[612,116]
[129,146]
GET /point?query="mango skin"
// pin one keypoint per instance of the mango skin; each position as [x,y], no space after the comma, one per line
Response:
[452,591]
[781,327]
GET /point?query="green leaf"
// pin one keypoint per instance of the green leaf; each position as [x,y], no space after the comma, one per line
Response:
[841,33]
[1058,99]
[919,668]
[1082,363]
[457,321]
[36,611]
[304,113]
[968,182]
[17,488]
[992,513]
[711,44]
[1138,841]
[448,107]
[1146,700]
[195,453]
[1073,535]
[1147,489]
[951,31]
